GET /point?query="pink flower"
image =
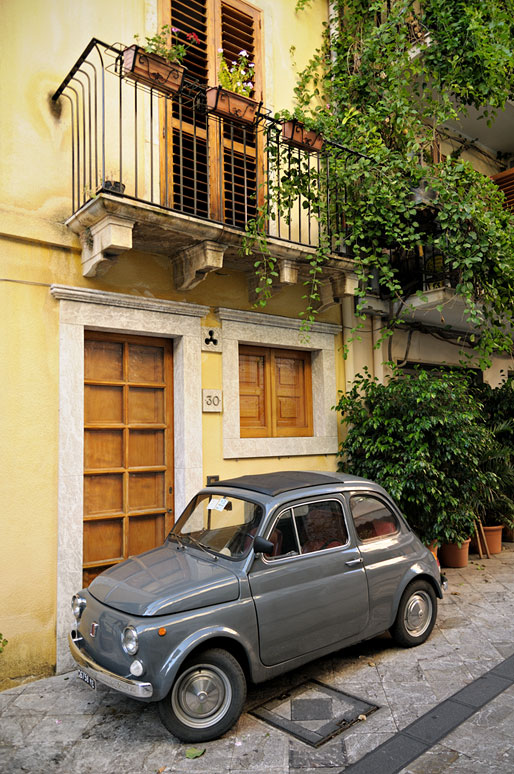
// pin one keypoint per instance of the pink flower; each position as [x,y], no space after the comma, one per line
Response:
[220,50]
[175,30]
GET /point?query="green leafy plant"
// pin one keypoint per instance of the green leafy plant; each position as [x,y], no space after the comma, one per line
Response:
[168,43]
[495,492]
[237,76]
[3,643]
[423,438]
[385,83]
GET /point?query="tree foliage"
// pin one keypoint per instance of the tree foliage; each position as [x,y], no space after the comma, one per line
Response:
[423,437]
[384,83]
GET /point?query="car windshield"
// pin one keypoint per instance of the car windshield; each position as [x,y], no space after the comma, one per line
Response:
[219,523]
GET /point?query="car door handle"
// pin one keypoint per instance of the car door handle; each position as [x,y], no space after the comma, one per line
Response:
[352,562]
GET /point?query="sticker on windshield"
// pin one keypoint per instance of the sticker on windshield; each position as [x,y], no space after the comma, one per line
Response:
[218,505]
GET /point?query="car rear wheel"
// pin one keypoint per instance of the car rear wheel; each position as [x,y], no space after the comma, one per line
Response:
[416,615]
[206,698]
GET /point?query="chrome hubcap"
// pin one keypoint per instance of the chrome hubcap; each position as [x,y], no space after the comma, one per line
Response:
[418,613]
[201,696]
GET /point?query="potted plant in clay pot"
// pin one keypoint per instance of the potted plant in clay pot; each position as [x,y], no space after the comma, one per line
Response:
[495,503]
[231,98]
[454,543]
[157,62]
[297,135]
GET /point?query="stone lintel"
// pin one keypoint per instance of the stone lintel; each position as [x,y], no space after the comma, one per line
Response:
[192,264]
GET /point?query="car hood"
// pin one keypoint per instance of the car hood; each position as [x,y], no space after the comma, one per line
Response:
[165,580]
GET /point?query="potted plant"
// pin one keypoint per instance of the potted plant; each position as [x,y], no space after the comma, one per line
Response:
[296,134]
[495,505]
[231,98]
[157,62]
[420,436]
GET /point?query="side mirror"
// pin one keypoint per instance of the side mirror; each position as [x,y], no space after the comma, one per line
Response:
[262,546]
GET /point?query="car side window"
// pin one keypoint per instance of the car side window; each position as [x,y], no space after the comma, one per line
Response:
[284,537]
[320,526]
[372,518]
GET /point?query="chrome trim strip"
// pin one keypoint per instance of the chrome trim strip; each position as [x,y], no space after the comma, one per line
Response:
[123,684]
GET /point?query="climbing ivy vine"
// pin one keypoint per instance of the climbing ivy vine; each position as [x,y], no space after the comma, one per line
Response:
[387,78]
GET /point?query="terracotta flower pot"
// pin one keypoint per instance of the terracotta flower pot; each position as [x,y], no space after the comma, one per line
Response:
[152,70]
[294,133]
[228,104]
[451,555]
[493,536]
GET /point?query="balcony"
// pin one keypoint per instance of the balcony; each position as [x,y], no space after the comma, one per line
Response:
[163,175]
[427,291]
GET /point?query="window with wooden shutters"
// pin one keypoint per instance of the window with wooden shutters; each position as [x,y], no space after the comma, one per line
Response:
[210,167]
[275,392]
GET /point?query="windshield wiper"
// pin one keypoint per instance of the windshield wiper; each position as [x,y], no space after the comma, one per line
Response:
[177,538]
[199,545]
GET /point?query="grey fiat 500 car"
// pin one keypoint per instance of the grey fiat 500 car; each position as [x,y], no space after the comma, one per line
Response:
[259,575]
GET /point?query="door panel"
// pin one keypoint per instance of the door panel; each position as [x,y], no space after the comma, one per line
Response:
[311,600]
[128,464]
[386,550]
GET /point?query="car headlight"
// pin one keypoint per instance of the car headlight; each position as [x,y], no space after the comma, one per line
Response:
[129,640]
[78,604]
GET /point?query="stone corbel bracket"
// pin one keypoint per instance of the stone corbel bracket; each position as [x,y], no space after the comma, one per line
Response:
[192,264]
[288,273]
[103,242]
[336,288]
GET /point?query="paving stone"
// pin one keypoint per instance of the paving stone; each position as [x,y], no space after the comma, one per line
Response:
[389,757]
[331,755]
[438,722]
[434,761]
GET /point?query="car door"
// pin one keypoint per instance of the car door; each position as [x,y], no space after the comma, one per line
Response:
[312,592]
[386,547]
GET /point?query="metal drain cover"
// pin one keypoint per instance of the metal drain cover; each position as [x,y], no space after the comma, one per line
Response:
[313,712]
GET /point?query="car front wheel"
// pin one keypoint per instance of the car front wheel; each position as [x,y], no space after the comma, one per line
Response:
[206,698]
[416,615]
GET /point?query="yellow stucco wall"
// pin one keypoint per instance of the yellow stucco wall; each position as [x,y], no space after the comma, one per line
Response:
[41,40]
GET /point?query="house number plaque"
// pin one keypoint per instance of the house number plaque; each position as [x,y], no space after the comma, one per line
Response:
[212,400]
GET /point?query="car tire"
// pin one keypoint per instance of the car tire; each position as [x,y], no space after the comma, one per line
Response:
[206,698]
[416,616]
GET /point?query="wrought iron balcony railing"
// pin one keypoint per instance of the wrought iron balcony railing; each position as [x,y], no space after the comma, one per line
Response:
[421,270]
[130,140]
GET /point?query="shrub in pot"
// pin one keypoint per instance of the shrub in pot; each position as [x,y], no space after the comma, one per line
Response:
[494,495]
[421,436]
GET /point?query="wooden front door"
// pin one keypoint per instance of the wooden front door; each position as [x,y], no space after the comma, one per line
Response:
[128,448]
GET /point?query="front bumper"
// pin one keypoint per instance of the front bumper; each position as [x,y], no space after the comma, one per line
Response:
[444,582]
[137,690]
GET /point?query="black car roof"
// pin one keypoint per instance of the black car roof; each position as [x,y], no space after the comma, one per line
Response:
[277,483]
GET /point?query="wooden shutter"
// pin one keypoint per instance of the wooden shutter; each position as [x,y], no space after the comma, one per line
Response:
[211,171]
[254,391]
[240,30]
[292,393]
[505,182]
[128,464]
[275,392]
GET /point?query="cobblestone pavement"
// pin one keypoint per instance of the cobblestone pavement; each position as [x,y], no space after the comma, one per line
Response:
[59,725]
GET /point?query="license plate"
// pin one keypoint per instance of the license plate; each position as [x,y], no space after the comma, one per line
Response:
[87,679]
